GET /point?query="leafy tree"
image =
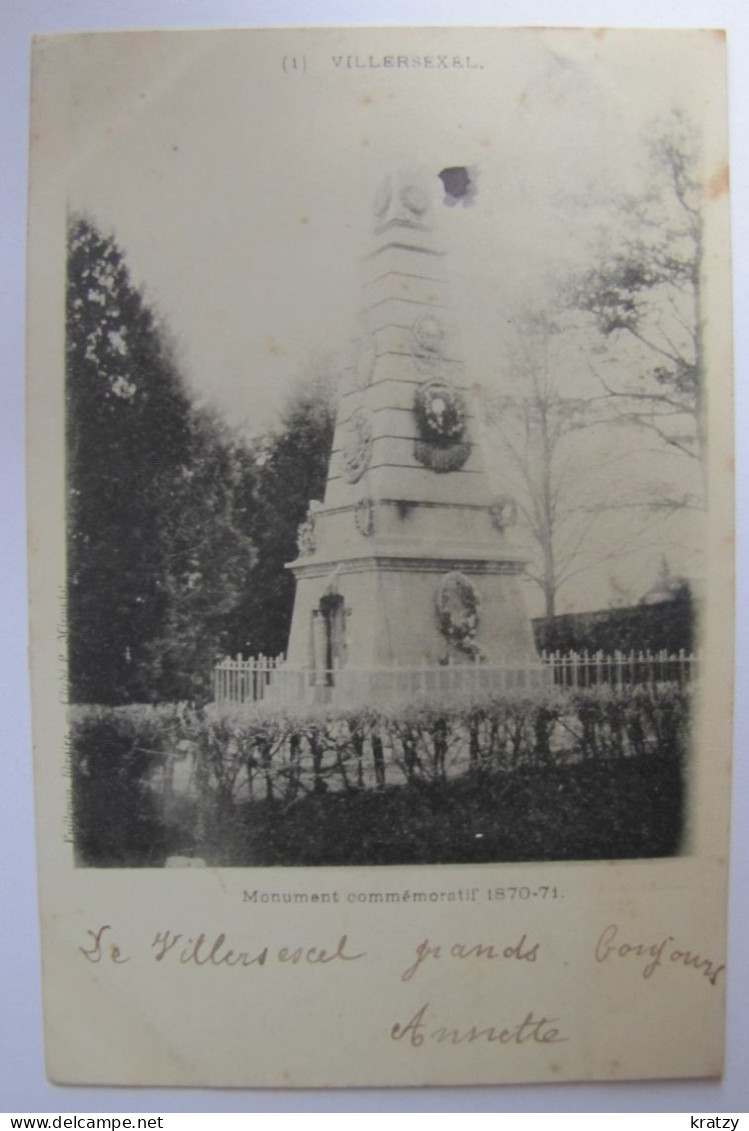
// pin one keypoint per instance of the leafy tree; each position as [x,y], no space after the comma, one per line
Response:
[291,469]
[127,429]
[208,554]
[159,498]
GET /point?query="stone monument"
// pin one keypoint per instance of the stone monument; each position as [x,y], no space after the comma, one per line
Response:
[406,562]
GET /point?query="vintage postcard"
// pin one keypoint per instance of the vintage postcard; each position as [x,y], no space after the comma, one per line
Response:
[379,388]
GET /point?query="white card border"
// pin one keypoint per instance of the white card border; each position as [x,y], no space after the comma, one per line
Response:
[25,1087]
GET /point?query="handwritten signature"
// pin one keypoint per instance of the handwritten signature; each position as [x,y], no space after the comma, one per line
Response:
[538,1030]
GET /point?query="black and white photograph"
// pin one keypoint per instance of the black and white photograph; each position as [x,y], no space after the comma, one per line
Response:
[380,394]
[386,464]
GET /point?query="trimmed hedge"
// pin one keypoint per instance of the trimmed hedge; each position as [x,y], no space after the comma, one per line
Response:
[585,775]
[668,625]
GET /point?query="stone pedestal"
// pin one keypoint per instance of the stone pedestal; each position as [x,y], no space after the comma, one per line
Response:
[406,561]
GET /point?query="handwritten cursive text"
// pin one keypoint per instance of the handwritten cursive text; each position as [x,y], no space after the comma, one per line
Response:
[200,950]
[611,946]
[520,951]
[538,1030]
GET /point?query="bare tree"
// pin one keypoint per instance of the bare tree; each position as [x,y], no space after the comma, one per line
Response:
[644,299]
[561,480]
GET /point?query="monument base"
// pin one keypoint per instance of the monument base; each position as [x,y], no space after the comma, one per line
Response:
[387,688]
[363,613]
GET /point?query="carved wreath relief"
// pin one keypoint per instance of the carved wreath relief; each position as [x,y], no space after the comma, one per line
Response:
[364,517]
[415,199]
[305,536]
[383,196]
[427,338]
[364,361]
[357,446]
[457,605]
[441,422]
[408,203]
[504,512]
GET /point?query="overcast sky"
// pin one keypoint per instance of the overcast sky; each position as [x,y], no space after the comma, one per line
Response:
[242,194]
[241,190]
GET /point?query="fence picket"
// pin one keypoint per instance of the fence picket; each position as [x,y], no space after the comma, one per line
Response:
[251,680]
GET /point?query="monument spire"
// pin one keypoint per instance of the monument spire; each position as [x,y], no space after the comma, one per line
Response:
[406,561]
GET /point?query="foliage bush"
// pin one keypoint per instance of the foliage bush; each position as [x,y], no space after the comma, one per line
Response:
[115,753]
[584,774]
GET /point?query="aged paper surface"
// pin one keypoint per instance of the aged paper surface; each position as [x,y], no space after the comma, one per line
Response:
[580,191]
